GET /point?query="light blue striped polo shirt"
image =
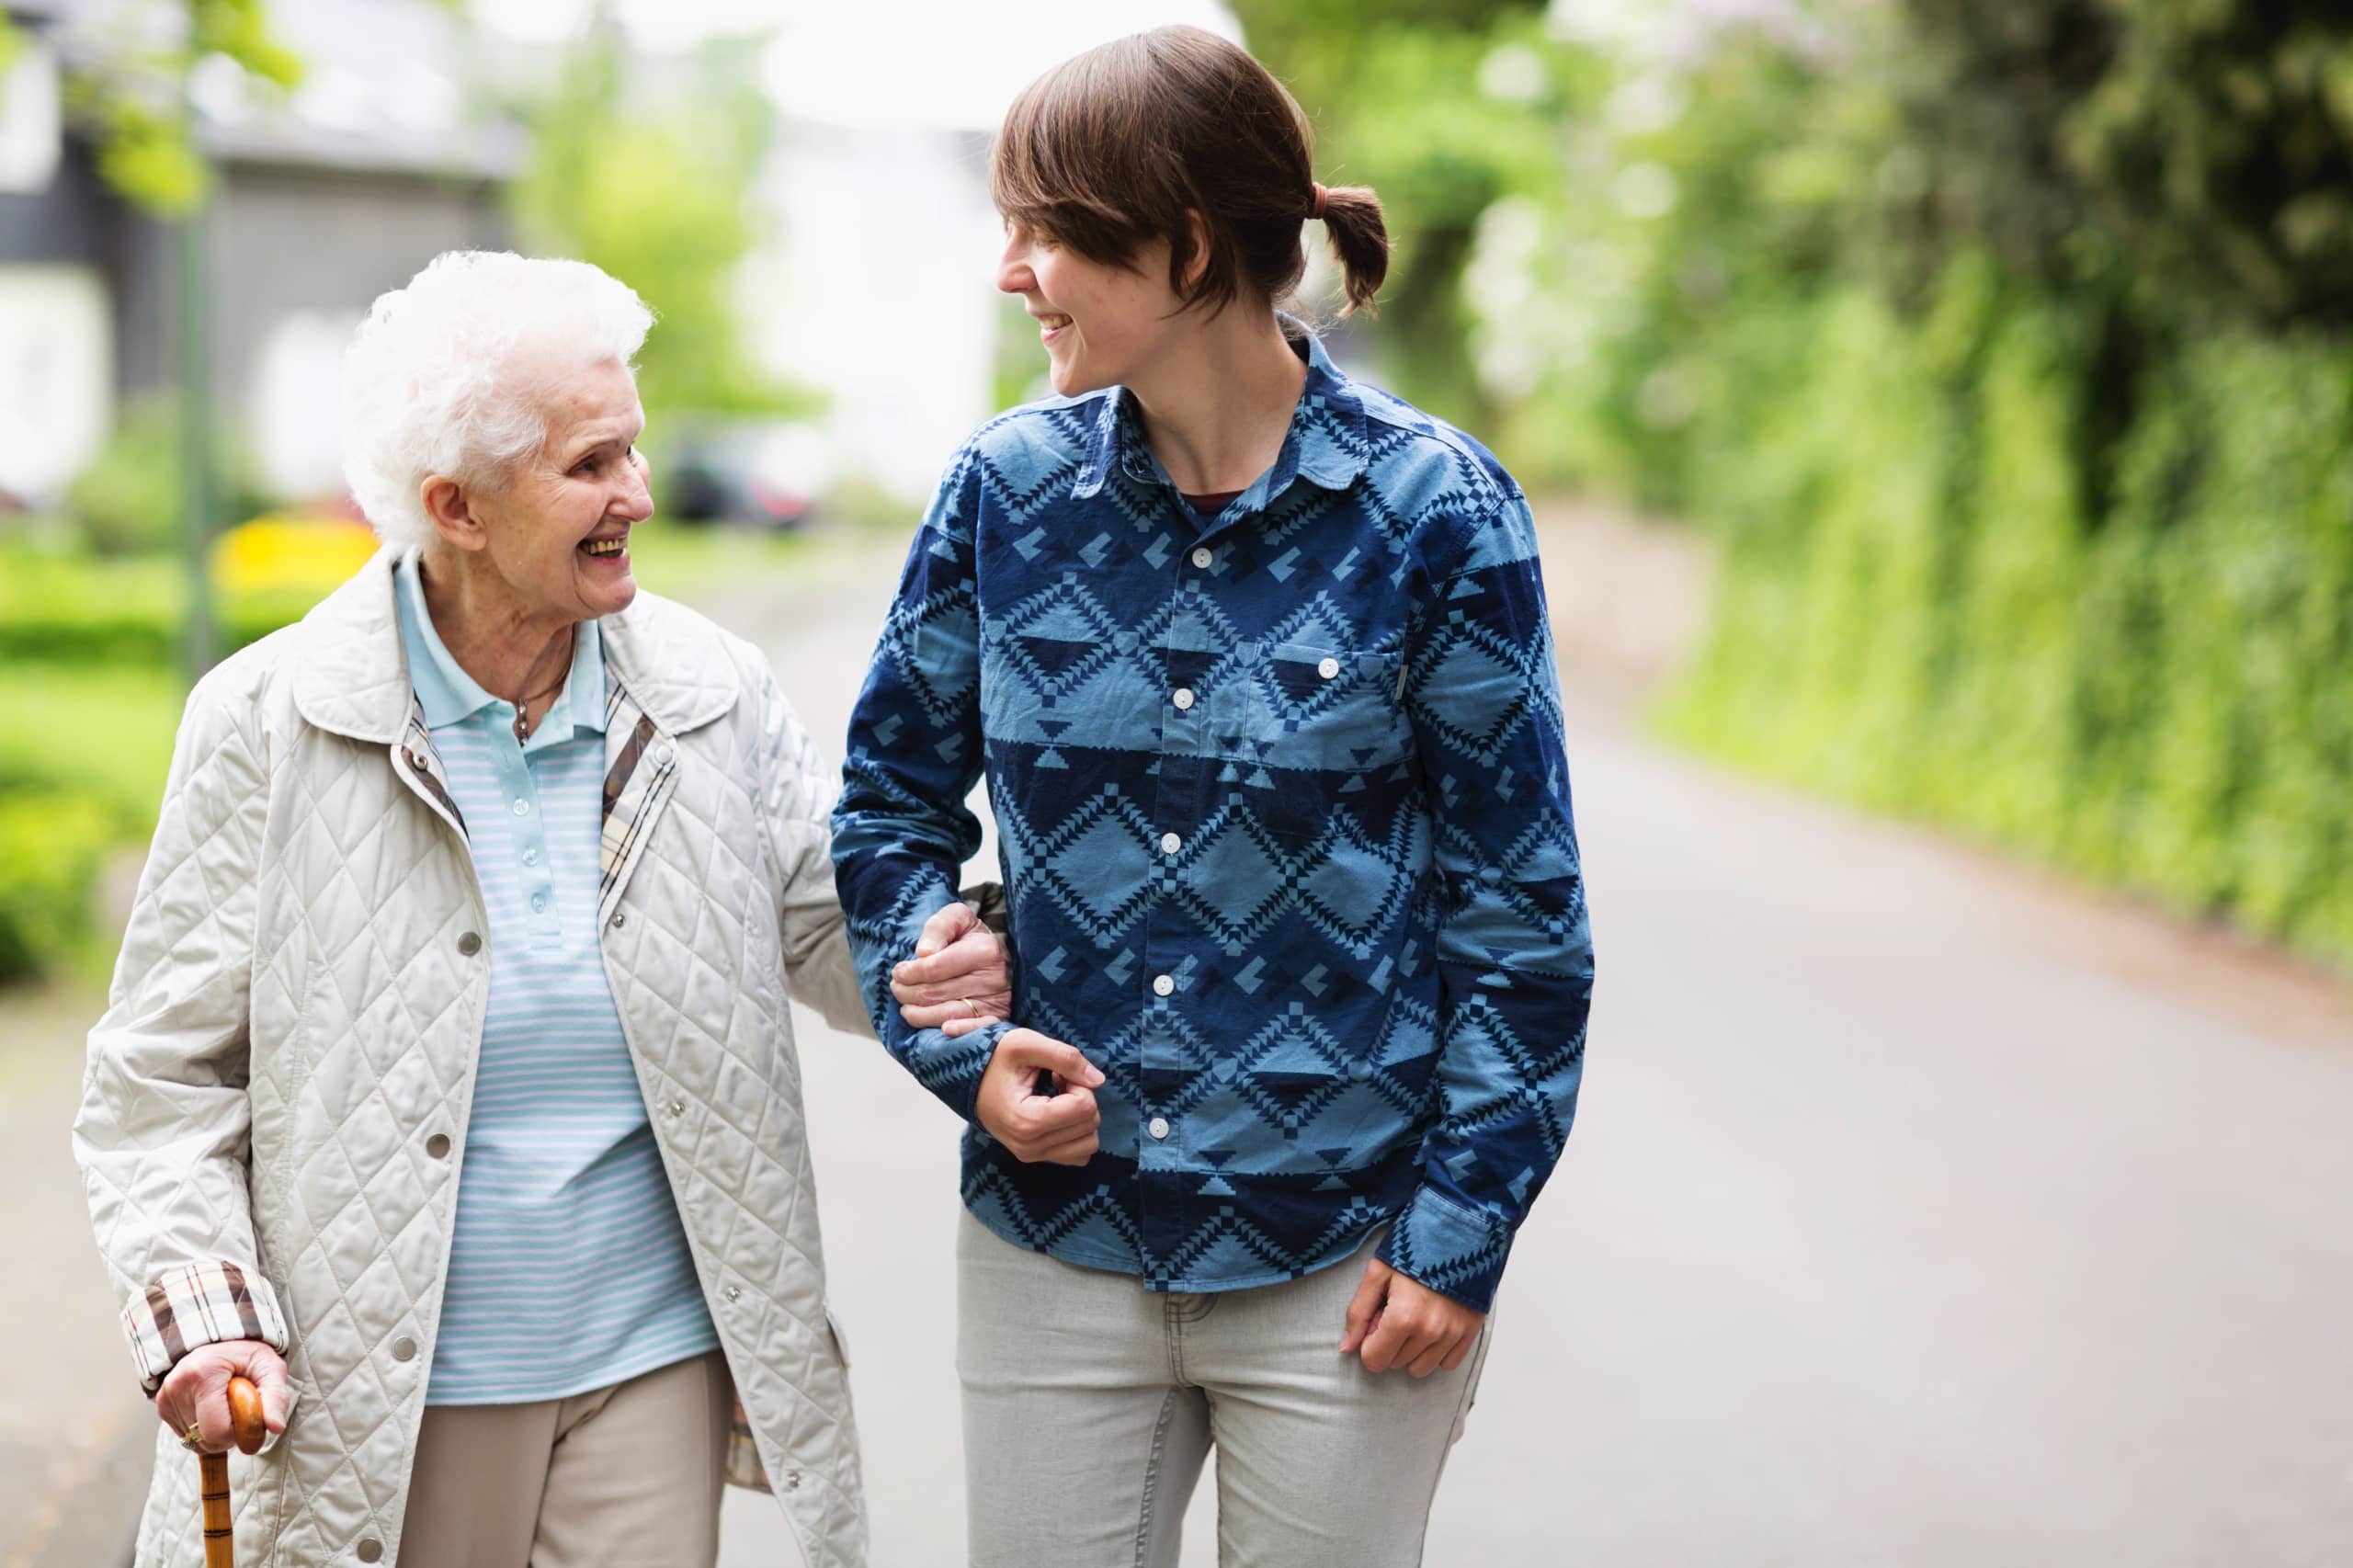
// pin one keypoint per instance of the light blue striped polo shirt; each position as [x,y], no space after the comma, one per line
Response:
[569,1271]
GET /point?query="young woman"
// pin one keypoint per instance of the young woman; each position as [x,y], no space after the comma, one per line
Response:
[1253,658]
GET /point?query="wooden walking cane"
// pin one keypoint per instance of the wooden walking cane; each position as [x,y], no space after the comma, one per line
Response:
[246,1426]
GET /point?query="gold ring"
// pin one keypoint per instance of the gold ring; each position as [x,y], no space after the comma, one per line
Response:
[193,1436]
[973,1005]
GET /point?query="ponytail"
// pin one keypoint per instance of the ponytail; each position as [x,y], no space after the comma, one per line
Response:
[1360,238]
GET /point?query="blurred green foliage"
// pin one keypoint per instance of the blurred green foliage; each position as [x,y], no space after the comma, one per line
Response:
[2008,347]
[133,98]
[127,499]
[82,753]
[1395,90]
[655,194]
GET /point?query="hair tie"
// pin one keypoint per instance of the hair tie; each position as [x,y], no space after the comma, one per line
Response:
[1320,194]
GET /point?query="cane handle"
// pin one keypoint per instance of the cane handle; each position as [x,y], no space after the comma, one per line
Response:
[246,1423]
[247,1430]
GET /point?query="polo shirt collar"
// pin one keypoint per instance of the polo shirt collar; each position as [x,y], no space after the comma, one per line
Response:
[449,694]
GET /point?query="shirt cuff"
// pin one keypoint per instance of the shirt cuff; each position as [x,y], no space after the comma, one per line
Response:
[1453,1249]
[203,1303]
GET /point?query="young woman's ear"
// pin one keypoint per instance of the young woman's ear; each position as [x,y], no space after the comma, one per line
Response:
[1196,265]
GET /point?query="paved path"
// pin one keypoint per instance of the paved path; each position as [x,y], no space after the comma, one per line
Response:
[1919,1213]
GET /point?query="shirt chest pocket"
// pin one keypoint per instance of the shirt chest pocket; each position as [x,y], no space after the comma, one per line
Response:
[1316,718]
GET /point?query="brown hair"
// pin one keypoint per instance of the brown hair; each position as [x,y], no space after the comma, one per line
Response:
[1123,145]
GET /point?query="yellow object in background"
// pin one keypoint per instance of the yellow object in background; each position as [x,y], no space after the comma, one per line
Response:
[285,552]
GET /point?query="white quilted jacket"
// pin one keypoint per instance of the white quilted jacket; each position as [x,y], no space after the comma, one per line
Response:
[281,1080]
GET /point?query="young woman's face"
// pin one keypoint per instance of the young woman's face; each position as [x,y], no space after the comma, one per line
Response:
[1101,325]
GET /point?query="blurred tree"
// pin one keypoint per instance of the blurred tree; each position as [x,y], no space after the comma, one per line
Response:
[1404,99]
[2142,145]
[661,200]
[133,98]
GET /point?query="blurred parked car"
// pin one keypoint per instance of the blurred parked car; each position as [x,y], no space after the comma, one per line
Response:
[765,475]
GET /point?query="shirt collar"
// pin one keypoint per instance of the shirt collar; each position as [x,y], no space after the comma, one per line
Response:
[448,694]
[1327,442]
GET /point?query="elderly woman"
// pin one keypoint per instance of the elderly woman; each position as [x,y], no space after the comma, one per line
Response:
[447,1088]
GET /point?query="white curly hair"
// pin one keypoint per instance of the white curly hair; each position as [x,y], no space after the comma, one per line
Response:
[448,375]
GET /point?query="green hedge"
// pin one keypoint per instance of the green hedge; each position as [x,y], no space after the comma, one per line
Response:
[130,611]
[52,848]
[2145,675]
[83,754]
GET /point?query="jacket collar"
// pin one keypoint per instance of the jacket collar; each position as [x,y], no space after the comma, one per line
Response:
[352,678]
[1327,442]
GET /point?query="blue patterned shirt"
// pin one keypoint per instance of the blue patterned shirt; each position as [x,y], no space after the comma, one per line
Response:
[1285,829]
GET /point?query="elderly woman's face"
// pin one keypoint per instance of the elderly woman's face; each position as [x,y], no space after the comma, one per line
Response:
[556,526]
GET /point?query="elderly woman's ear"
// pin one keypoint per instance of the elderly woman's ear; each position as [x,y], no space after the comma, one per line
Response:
[451,514]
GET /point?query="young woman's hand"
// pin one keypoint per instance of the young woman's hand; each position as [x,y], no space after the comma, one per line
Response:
[196,1391]
[958,979]
[1056,1129]
[1396,1321]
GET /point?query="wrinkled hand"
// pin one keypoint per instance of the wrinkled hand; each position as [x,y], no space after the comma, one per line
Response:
[958,960]
[196,1392]
[1057,1128]
[1401,1322]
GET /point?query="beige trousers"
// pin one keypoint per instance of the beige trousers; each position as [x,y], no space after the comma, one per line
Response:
[1090,1406]
[625,1477]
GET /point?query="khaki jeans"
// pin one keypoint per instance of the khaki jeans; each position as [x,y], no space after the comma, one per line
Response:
[1091,1403]
[625,1477]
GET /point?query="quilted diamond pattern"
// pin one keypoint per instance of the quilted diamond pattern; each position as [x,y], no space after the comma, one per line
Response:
[298,1005]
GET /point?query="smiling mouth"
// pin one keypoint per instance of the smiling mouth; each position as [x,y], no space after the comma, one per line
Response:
[605,549]
[1049,325]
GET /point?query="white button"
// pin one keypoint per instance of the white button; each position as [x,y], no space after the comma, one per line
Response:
[1183,698]
[1162,984]
[1328,668]
[1170,843]
[1201,559]
[1159,1127]
[522,808]
[530,855]
[539,903]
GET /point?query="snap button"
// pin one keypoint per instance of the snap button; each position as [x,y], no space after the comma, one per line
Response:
[370,1550]
[403,1349]
[677,1108]
[470,944]
[437,1145]
[1359,1071]
[1170,843]
[1158,1126]
[734,1293]
[1328,668]
[792,1481]
[1162,984]
[416,760]
[1183,697]
[620,921]
[1201,558]
[662,756]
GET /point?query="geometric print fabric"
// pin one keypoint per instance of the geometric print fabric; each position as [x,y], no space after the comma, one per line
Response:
[1286,834]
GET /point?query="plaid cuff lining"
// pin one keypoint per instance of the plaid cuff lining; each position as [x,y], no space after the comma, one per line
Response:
[204,1303]
[744,1467]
